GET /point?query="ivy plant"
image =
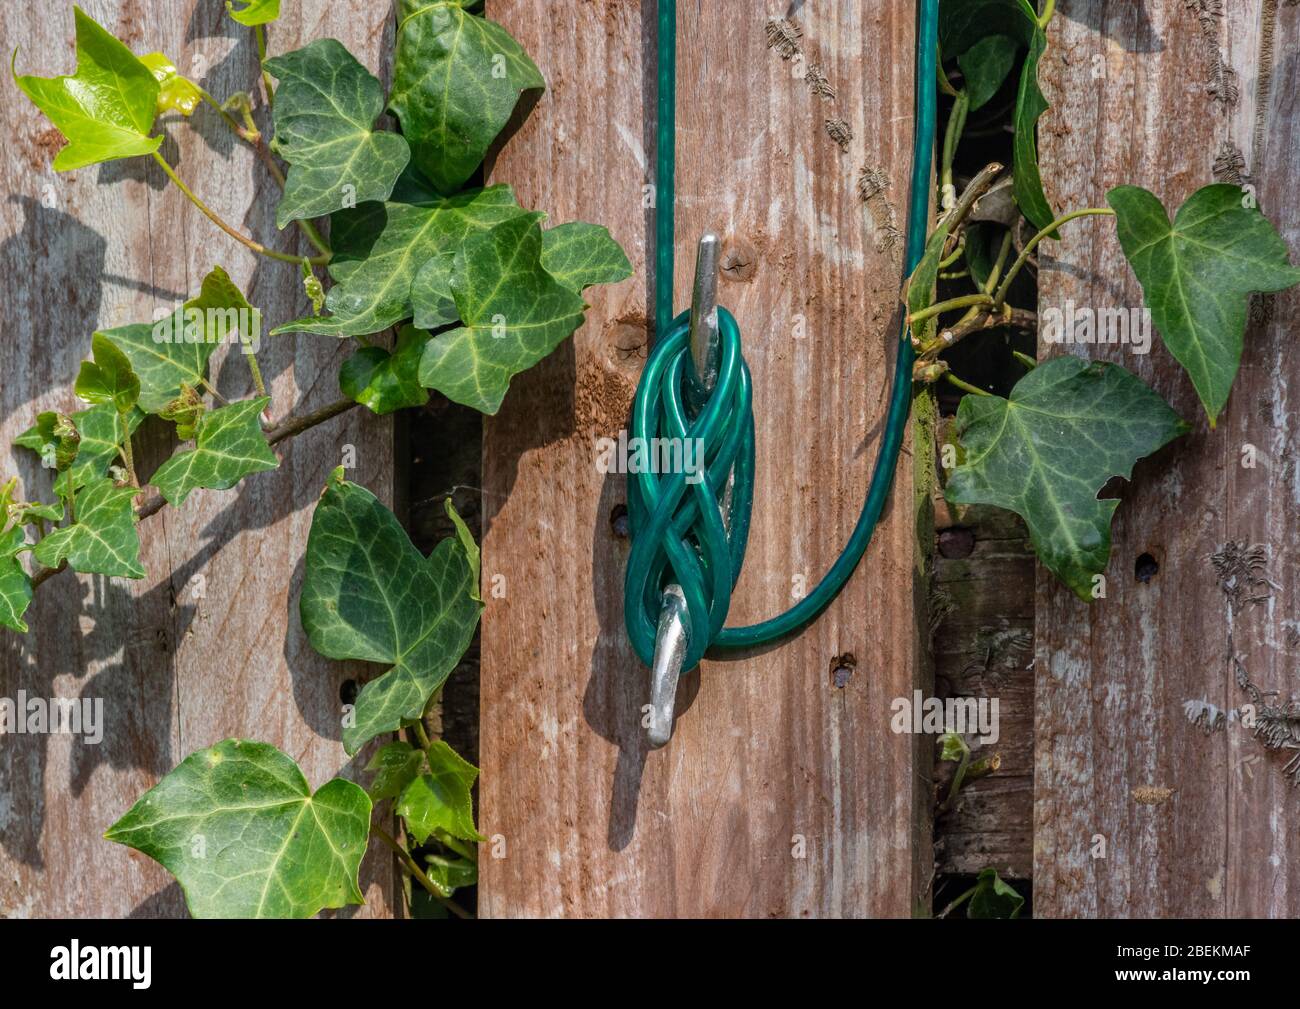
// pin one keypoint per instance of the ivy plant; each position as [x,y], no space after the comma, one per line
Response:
[442,285]
[1069,425]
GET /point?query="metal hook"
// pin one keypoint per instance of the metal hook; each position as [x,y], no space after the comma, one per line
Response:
[671,637]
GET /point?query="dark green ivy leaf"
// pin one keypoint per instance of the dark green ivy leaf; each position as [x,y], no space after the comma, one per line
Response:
[993,898]
[514,313]
[1198,273]
[103,540]
[380,247]
[230,446]
[1045,453]
[440,800]
[456,80]
[324,114]
[386,382]
[106,109]
[239,827]
[984,66]
[579,254]
[369,594]
[962,24]
[395,766]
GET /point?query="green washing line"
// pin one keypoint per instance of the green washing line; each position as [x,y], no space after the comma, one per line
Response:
[676,526]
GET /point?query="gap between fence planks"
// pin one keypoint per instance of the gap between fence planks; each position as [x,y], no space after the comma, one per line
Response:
[781,794]
[209,645]
[1113,678]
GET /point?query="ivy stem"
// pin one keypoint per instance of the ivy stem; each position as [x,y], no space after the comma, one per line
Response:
[155,503]
[958,902]
[945,85]
[128,457]
[256,369]
[259,31]
[238,130]
[414,869]
[211,215]
[965,386]
[1049,8]
[463,850]
[939,307]
[421,736]
[1025,253]
[956,123]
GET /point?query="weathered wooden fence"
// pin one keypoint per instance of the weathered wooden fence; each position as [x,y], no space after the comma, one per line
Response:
[209,645]
[783,791]
[1138,811]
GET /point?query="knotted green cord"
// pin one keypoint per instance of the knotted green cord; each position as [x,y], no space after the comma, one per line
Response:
[674,522]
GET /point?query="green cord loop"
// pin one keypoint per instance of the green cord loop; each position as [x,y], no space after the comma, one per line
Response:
[675,524]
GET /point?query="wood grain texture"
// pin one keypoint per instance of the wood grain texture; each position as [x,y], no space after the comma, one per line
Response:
[209,645]
[768,753]
[984,647]
[1114,677]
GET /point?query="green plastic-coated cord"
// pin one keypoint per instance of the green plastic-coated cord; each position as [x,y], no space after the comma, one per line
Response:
[675,523]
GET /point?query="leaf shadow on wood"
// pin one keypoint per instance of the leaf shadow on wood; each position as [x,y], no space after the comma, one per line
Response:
[1122,21]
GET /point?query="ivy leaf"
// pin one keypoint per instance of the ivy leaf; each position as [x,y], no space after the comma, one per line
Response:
[431,297]
[173,353]
[450,874]
[175,93]
[238,826]
[324,115]
[103,540]
[15,586]
[369,594]
[230,446]
[1198,273]
[993,898]
[395,765]
[471,548]
[440,800]
[109,378]
[56,438]
[985,65]
[456,80]
[1046,452]
[964,25]
[514,314]
[920,290]
[380,247]
[386,382]
[106,109]
[255,12]
[579,254]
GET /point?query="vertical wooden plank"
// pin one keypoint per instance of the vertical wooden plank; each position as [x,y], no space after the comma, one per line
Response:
[782,793]
[1115,678]
[209,644]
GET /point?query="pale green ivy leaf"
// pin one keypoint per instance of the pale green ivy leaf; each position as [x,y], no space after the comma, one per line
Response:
[239,827]
[514,314]
[467,541]
[440,799]
[380,247]
[1045,453]
[15,586]
[230,445]
[369,594]
[103,540]
[457,78]
[109,377]
[450,874]
[579,254]
[384,381]
[254,12]
[324,115]
[1197,275]
[175,93]
[106,109]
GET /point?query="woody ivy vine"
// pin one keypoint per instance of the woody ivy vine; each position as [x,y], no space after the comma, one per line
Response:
[475,290]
